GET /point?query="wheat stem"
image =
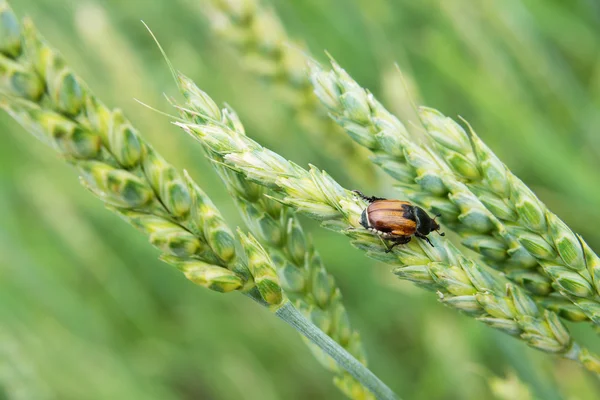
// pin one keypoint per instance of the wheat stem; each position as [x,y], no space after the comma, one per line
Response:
[461,283]
[295,318]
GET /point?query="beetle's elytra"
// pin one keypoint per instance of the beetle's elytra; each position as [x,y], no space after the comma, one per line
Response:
[397,221]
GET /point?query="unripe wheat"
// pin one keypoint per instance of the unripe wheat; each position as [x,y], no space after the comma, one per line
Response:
[460,283]
[302,273]
[502,234]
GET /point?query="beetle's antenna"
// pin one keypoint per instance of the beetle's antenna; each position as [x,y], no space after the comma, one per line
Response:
[438,229]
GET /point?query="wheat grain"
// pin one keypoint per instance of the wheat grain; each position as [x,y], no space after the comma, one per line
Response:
[461,283]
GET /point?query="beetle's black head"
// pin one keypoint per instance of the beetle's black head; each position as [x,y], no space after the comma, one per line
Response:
[364,219]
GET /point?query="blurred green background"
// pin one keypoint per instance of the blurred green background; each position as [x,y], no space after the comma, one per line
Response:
[88,312]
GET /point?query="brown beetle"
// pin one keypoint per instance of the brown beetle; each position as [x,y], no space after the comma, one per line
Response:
[397,221]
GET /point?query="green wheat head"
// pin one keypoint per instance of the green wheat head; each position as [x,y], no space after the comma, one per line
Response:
[461,178]
[436,181]
[302,273]
[562,256]
[126,173]
[258,38]
[461,283]
[533,269]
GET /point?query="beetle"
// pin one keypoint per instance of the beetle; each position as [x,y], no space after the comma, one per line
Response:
[396,220]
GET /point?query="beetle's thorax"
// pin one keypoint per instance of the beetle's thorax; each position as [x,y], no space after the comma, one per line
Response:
[424,221]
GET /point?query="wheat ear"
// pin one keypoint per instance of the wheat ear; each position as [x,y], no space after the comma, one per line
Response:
[564,257]
[114,163]
[461,283]
[255,33]
[132,179]
[302,274]
[431,181]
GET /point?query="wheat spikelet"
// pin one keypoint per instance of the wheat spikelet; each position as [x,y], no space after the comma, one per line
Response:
[565,258]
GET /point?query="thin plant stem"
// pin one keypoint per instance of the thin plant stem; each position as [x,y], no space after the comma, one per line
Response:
[298,321]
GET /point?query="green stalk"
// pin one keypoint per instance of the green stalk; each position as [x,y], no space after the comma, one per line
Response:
[461,283]
[294,318]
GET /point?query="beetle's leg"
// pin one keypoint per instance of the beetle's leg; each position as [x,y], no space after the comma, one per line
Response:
[389,249]
[397,241]
[425,238]
[369,199]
